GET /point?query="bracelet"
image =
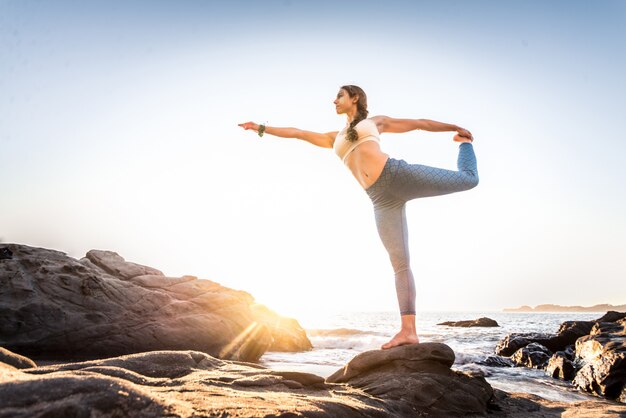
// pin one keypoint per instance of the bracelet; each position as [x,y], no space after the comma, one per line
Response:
[261,130]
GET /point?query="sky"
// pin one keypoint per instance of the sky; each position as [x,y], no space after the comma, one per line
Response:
[118,131]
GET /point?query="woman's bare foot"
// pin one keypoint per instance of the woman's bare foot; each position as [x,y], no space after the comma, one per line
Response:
[401,338]
[459,138]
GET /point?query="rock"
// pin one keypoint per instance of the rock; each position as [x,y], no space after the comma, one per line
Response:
[603,352]
[480,322]
[611,316]
[561,367]
[497,361]
[532,355]
[513,342]
[525,405]
[570,352]
[116,266]
[189,383]
[416,379]
[54,306]
[15,360]
[567,334]
[286,333]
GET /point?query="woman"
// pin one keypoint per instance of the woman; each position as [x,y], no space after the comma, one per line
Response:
[389,183]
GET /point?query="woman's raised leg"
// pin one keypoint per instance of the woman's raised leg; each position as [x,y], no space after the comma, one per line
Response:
[416,180]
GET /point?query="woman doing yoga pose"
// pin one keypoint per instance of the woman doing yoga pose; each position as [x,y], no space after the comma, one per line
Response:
[389,183]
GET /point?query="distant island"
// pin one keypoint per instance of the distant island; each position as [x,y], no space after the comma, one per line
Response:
[558,308]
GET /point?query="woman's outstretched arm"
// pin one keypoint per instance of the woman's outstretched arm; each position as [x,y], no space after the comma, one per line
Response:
[321,140]
[387,124]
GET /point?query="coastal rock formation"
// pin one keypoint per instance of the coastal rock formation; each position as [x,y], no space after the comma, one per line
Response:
[567,334]
[603,352]
[399,382]
[598,364]
[480,322]
[55,306]
[402,381]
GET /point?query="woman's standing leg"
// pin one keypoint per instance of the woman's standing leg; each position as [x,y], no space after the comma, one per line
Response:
[392,229]
[393,232]
[399,183]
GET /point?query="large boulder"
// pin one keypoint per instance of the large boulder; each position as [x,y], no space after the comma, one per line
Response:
[55,306]
[480,322]
[417,379]
[603,352]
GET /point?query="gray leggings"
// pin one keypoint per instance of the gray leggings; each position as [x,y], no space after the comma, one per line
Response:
[400,182]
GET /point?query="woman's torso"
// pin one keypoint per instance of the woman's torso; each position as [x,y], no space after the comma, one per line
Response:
[366,161]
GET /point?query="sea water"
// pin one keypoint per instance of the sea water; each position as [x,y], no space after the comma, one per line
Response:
[338,337]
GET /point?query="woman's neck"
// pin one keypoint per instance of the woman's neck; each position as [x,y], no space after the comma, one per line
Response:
[351,116]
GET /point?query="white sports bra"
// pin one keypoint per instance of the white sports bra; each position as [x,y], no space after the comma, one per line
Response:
[367,131]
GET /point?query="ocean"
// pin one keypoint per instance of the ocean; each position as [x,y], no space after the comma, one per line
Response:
[338,337]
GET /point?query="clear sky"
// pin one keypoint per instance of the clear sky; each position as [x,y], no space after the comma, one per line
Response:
[118,131]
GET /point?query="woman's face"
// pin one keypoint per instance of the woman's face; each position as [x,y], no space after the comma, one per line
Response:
[344,102]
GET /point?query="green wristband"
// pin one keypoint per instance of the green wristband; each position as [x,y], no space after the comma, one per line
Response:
[261,130]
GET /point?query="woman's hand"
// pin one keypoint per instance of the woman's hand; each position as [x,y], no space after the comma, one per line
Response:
[463,135]
[249,125]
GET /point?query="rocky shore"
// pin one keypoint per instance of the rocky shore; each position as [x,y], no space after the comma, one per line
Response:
[590,354]
[407,381]
[149,345]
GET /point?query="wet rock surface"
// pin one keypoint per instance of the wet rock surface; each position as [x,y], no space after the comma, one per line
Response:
[533,355]
[561,367]
[603,353]
[597,364]
[513,342]
[55,306]
[497,361]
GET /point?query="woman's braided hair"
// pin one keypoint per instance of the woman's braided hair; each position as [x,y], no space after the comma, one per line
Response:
[361,110]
